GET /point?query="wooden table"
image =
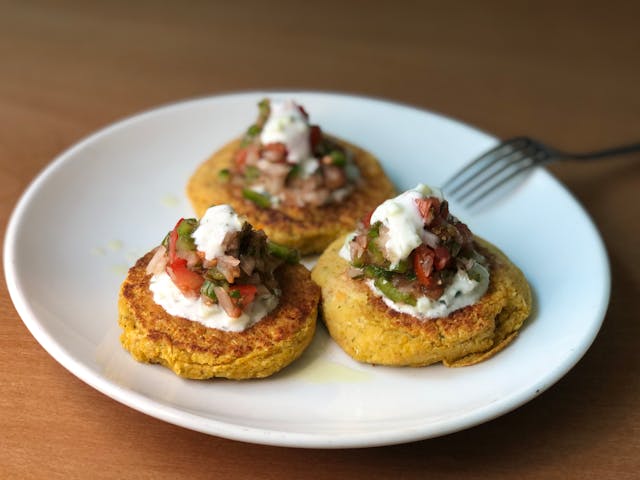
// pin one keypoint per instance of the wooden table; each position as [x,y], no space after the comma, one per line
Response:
[568,74]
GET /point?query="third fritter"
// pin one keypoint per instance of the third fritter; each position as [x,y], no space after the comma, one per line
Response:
[413,286]
[301,186]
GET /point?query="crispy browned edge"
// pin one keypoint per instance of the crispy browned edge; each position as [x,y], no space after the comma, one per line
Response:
[194,351]
[370,332]
[309,229]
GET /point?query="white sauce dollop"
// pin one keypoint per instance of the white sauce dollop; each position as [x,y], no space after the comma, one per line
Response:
[406,226]
[217,222]
[169,297]
[345,250]
[287,124]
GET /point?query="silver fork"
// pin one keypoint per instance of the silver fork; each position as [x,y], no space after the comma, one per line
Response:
[509,159]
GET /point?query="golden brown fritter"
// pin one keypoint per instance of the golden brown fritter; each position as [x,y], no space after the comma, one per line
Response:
[192,350]
[308,229]
[369,331]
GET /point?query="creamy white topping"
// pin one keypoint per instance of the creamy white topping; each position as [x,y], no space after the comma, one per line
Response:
[169,297]
[345,250]
[309,166]
[217,223]
[406,226]
[287,124]
[462,292]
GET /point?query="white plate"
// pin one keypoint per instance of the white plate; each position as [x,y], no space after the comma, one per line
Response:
[114,195]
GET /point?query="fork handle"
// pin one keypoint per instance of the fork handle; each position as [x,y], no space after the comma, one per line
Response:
[609,152]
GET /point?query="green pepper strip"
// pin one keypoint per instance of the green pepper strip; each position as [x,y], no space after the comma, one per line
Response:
[251,173]
[392,293]
[215,276]
[475,272]
[374,231]
[165,241]
[289,255]
[258,198]
[338,158]
[402,267]
[295,171]
[264,109]
[185,230]
[375,255]
[253,130]
[224,175]
[187,226]
[373,271]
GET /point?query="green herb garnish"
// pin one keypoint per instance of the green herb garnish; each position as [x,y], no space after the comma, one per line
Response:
[185,230]
[253,130]
[289,255]
[224,175]
[260,199]
[373,271]
[295,171]
[251,173]
[338,158]
[207,290]
[264,109]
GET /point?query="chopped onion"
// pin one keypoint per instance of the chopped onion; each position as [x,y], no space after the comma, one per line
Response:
[224,300]
[158,262]
[354,272]
[191,257]
[430,239]
[247,264]
[228,266]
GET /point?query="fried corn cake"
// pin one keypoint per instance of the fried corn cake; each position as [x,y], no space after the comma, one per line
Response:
[371,332]
[194,351]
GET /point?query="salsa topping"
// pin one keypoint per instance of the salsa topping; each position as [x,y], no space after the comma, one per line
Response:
[221,260]
[285,160]
[413,252]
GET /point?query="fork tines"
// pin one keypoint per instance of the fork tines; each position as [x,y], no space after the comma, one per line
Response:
[494,168]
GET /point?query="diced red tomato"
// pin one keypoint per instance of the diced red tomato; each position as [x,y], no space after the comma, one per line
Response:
[423,262]
[366,220]
[428,208]
[442,257]
[246,294]
[444,210]
[173,239]
[241,158]
[315,136]
[276,152]
[188,281]
[466,234]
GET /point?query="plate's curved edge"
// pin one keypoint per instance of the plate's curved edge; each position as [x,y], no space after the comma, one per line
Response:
[605,266]
[178,417]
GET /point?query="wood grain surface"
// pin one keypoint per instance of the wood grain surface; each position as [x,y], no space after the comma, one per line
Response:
[565,72]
